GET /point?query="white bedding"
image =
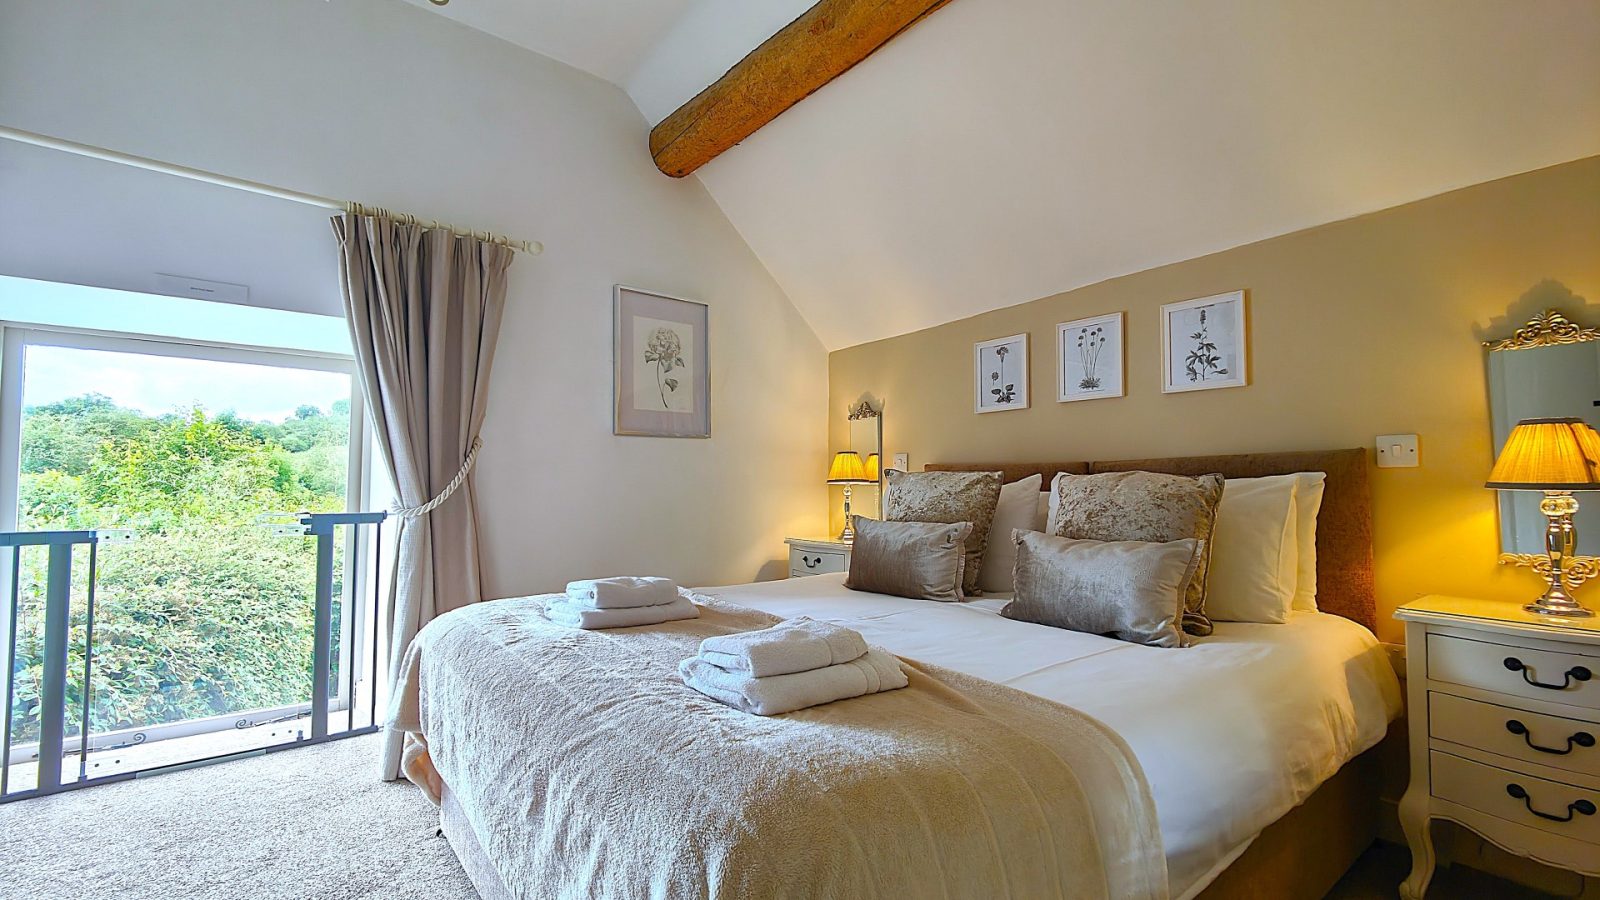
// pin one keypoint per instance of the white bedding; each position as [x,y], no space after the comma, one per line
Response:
[1232,733]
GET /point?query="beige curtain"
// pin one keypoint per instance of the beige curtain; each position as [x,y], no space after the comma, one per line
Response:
[424,309]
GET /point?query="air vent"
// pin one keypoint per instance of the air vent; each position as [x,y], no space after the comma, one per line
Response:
[184,286]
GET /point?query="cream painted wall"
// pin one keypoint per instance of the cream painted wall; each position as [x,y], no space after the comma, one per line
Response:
[389,104]
[1359,328]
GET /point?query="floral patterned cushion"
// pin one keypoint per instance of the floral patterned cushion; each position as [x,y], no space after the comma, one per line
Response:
[947,498]
[1144,506]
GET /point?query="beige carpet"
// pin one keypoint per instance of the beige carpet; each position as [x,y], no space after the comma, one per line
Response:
[306,823]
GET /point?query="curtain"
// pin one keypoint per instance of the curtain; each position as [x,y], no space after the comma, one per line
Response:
[424,309]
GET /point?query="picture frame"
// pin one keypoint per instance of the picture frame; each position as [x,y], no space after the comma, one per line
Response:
[1205,344]
[661,373]
[1091,358]
[1000,374]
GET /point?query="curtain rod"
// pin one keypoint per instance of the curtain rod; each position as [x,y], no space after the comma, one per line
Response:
[254,187]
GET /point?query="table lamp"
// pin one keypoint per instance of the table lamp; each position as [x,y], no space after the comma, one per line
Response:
[848,470]
[1557,456]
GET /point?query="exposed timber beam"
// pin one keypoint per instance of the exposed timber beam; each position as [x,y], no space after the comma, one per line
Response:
[806,54]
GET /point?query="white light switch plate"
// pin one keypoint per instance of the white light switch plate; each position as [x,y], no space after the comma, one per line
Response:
[1397,451]
[902,462]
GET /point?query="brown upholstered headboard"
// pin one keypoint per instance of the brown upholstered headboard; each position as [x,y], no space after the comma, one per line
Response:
[1344,526]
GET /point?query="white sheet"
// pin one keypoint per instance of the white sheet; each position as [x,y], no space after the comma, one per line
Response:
[1232,733]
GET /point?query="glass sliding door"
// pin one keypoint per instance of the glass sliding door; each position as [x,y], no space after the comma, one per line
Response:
[181,457]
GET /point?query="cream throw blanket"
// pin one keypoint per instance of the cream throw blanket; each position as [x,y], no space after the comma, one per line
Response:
[586,768]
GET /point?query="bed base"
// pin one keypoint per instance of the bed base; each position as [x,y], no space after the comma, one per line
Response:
[1298,857]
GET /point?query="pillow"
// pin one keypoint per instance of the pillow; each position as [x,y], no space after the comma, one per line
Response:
[1132,590]
[1041,519]
[1018,508]
[1144,506]
[946,497]
[1254,562]
[1308,490]
[921,560]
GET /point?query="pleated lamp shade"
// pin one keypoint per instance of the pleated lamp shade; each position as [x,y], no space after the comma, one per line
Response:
[872,467]
[1549,455]
[848,468]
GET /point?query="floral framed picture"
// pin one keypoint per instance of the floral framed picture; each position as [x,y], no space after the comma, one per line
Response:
[1001,373]
[1090,358]
[661,380]
[1204,344]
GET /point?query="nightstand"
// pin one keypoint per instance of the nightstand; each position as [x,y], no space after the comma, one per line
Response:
[817,556]
[1504,709]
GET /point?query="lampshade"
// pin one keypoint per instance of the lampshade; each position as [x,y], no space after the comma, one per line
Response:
[848,468]
[1549,455]
[872,467]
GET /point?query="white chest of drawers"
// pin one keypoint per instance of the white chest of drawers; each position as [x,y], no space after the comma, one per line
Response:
[817,557]
[1504,711]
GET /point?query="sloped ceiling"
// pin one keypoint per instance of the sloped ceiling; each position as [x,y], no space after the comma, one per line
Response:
[1005,150]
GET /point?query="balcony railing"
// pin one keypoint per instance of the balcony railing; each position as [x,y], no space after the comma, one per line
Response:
[355,662]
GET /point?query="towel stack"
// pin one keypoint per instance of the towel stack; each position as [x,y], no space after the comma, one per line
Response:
[792,665]
[620,602]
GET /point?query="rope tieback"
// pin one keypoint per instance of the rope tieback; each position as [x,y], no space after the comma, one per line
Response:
[414,512]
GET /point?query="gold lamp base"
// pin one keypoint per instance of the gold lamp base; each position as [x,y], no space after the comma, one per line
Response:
[1561,543]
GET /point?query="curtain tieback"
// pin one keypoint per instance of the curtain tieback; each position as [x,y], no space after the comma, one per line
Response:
[415,512]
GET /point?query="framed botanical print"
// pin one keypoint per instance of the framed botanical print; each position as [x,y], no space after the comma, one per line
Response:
[1204,344]
[1001,373]
[1089,358]
[662,377]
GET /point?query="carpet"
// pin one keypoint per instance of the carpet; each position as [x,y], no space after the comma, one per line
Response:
[313,822]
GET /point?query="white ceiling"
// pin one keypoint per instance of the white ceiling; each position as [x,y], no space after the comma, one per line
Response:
[603,37]
[1006,150]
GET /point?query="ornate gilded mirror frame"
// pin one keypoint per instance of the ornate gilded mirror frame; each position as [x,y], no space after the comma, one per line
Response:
[1548,329]
[870,416]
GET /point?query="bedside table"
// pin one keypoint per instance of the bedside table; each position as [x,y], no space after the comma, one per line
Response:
[817,556]
[1504,709]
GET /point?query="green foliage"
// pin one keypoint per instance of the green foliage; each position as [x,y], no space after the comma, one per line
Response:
[204,614]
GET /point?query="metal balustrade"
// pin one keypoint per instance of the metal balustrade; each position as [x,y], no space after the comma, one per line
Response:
[55,746]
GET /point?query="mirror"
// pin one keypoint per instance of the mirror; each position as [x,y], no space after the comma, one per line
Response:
[1550,367]
[866,438]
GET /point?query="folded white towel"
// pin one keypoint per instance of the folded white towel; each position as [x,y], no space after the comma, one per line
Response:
[568,612]
[876,670]
[794,645]
[623,592]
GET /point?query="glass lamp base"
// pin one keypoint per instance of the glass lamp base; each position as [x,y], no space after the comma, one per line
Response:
[1571,612]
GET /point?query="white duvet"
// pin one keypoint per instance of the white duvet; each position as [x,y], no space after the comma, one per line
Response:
[1232,732]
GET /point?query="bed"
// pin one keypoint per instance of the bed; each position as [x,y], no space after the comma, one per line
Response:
[1254,743]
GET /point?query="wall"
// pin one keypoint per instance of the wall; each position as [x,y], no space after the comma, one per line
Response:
[388,104]
[1361,327]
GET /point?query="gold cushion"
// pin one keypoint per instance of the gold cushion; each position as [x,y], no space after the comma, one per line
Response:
[947,498]
[1144,506]
[1132,590]
[921,560]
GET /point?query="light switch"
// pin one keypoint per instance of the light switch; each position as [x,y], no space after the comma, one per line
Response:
[1397,451]
[902,462]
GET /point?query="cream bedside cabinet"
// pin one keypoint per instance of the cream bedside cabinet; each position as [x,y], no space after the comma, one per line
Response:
[817,556]
[1504,709]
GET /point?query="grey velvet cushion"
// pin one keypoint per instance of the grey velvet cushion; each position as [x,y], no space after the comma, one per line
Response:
[1131,590]
[922,560]
[947,497]
[1145,506]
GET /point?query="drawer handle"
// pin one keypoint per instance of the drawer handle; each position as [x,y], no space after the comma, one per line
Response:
[811,563]
[1581,807]
[1575,674]
[1578,739]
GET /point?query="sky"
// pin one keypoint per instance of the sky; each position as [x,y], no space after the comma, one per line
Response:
[163,384]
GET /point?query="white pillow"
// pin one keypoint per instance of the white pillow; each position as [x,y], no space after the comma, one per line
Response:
[1254,556]
[1018,507]
[1308,490]
[1041,519]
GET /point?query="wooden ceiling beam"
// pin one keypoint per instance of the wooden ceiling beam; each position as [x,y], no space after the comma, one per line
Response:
[806,54]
